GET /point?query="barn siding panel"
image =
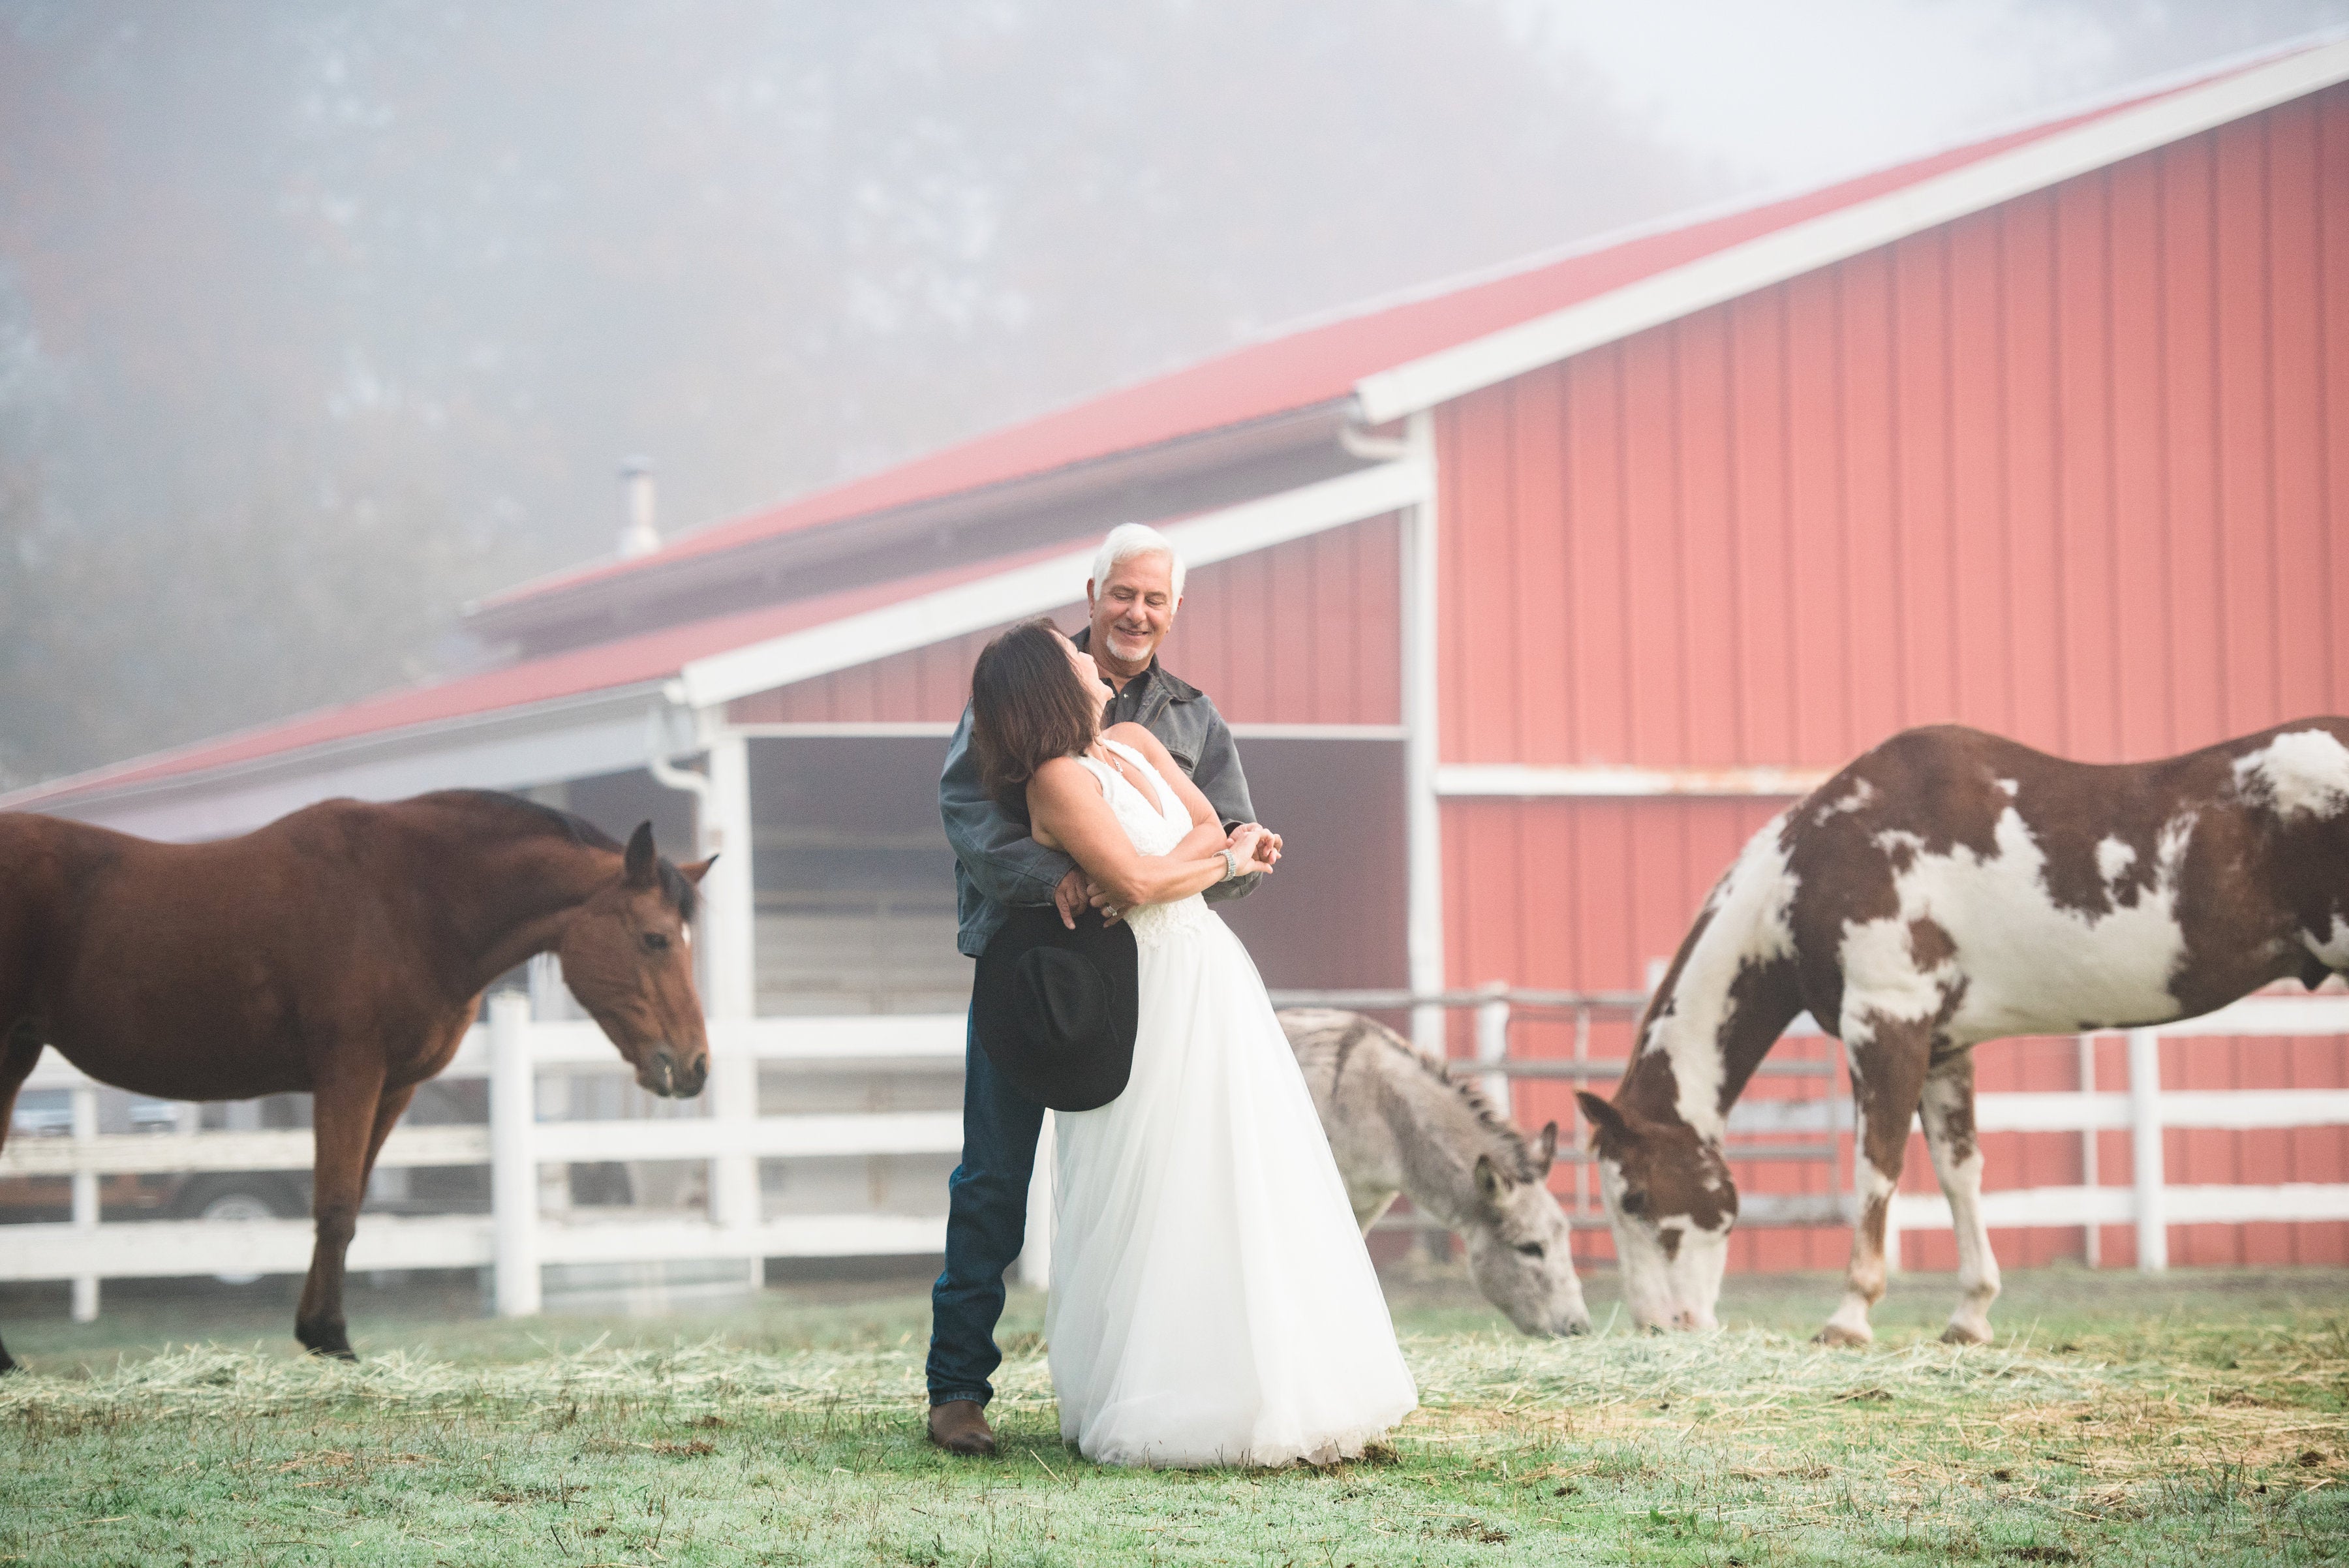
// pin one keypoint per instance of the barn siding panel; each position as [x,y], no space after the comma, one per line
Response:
[2332,308]
[2063,469]
[2084,501]
[2069,469]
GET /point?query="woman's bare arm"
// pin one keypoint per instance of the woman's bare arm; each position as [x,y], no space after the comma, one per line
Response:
[1067,809]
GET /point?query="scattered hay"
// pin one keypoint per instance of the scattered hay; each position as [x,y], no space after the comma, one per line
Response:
[696,1378]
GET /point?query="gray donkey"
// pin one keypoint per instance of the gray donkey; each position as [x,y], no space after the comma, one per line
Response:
[1400,1123]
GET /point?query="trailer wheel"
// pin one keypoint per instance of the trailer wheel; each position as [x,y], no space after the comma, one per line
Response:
[236,1200]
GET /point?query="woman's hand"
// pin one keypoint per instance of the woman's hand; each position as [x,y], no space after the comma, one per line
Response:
[1255,848]
[1262,852]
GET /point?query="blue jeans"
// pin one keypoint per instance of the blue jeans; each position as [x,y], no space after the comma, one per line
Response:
[986,1223]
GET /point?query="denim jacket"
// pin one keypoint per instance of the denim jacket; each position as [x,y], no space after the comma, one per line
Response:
[998,864]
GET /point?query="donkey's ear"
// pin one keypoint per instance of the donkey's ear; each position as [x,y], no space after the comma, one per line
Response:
[696,871]
[1545,1150]
[1490,1183]
[642,862]
[1604,1119]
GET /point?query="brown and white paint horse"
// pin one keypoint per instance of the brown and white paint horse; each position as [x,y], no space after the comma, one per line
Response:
[1946,889]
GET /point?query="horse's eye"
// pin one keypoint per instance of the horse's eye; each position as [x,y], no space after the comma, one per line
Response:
[656,942]
[1531,1249]
[1635,1203]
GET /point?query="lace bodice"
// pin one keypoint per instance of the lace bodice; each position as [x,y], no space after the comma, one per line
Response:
[1154,825]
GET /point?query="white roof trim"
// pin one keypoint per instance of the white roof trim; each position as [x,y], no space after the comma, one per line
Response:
[501,748]
[1030,590]
[1818,242]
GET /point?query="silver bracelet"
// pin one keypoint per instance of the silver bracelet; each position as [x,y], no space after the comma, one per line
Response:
[1231,865]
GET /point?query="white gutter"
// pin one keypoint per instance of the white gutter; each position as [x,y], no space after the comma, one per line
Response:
[1421,699]
[1807,247]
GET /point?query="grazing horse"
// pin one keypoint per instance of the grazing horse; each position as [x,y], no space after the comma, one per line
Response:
[1946,889]
[1398,1122]
[343,951]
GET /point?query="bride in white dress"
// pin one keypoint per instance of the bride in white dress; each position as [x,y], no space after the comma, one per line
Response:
[1212,1302]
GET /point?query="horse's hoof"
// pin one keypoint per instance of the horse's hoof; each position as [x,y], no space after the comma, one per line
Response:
[327,1339]
[1965,1334]
[1838,1335]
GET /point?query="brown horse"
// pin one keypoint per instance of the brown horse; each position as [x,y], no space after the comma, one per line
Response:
[1946,889]
[343,951]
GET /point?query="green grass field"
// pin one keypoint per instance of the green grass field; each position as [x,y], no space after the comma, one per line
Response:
[2194,1420]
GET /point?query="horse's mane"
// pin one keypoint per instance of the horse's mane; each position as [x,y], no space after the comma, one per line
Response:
[528,819]
[1471,1093]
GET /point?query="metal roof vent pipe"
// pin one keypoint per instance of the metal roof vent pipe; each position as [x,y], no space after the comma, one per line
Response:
[638,536]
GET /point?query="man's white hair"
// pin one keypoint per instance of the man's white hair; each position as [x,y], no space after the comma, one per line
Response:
[1128,540]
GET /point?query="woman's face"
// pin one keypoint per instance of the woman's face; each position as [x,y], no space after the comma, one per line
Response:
[1082,662]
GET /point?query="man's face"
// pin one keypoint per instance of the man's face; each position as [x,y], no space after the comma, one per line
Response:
[1133,613]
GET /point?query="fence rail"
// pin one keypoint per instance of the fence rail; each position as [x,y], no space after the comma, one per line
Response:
[516,1239]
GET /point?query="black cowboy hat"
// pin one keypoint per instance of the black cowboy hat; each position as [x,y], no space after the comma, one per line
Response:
[1055,1008]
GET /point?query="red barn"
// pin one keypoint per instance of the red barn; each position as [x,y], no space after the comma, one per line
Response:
[1532,596]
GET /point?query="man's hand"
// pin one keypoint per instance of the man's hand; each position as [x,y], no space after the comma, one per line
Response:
[1266,846]
[1069,898]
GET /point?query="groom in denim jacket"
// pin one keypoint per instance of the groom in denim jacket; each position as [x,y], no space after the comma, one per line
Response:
[1134,591]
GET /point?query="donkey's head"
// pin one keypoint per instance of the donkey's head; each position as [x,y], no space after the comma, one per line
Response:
[628,956]
[1670,1204]
[1517,1251]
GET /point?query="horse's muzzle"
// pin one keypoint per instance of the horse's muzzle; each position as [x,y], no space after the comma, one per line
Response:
[665,1075]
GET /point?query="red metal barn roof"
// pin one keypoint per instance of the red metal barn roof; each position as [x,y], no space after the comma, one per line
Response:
[1317,364]
[1315,543]
[644,660]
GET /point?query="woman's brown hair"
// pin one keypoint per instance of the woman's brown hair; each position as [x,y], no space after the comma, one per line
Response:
[1028,705]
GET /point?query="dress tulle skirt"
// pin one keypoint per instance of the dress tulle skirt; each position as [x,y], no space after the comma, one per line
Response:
[1212,1302]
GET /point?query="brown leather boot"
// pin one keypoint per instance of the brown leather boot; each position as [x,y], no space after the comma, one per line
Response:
[959,1426]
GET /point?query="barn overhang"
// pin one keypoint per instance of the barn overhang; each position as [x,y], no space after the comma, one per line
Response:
[511,748]
[517,727]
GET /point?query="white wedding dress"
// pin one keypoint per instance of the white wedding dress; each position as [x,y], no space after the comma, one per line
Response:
[1211,1302]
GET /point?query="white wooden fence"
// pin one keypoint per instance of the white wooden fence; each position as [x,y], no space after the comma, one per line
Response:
[2145,1110]
[516,1237]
